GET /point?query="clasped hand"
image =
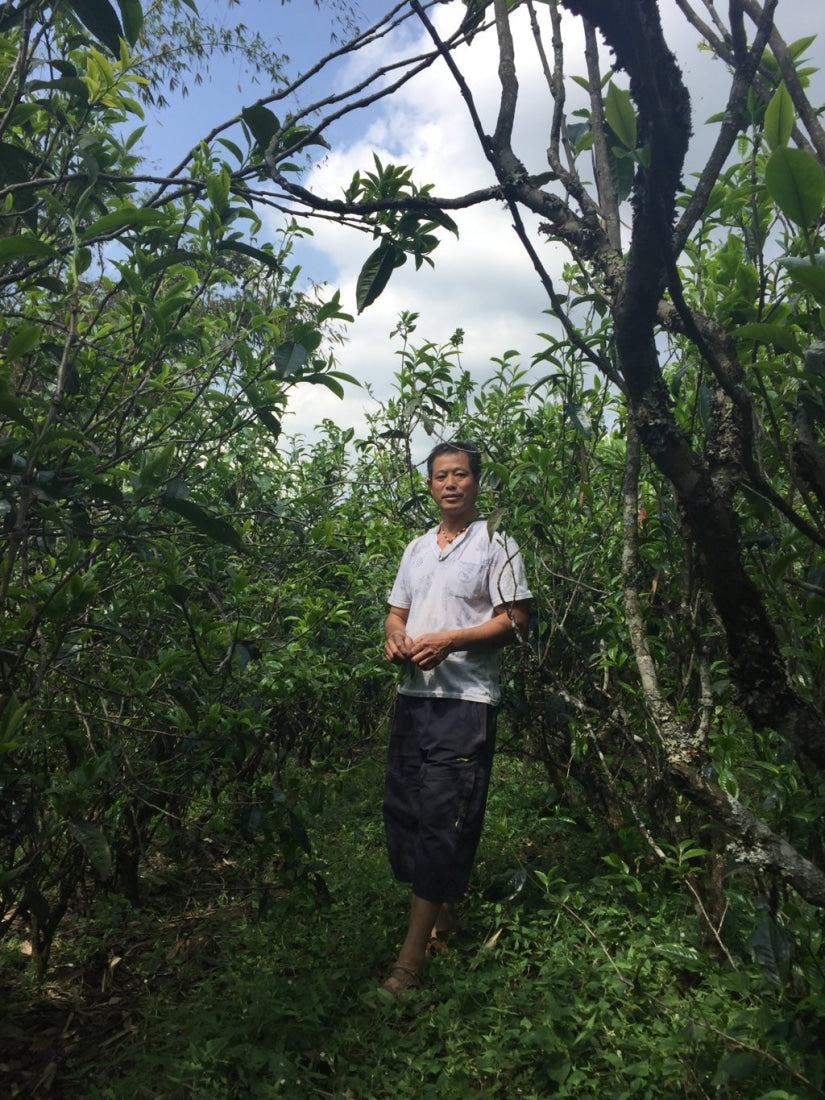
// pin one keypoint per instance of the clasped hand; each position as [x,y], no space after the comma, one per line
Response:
[426,651]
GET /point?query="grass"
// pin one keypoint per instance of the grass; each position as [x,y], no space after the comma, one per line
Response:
[568,979]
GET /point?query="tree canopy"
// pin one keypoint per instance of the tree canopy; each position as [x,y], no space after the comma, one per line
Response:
[191,604]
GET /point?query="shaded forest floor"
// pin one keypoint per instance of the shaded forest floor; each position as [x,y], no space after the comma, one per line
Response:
[574,975]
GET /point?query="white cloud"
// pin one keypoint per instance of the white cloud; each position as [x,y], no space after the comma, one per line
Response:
[483,283]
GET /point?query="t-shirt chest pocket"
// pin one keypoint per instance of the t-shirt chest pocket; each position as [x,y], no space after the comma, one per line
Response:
[468,580]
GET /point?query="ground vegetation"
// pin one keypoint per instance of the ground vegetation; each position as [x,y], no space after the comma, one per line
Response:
[193,698]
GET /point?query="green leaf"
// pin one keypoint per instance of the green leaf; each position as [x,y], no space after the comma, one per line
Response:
[439,217]
[376,272]
[331,384]
[259,254]
[289,359]
[263,410]
[298,137]
[780,336]
[779,118]
[23,248]
[217,188]
[123,219]
[494,521]
[177,592]
[265,416]
[233,149]
[176,256]
[16,164]
[213,526]
[622,171]
[154,466]
[99,17]
[620,115]
[739,1066]
[11,407]
[11,721]
[50,283]
[771,948]
[681,955]
[131,15]
[800,45]
[95,845]
[26,337]
[263,124]
[796,183]
[72,85]
[809,277]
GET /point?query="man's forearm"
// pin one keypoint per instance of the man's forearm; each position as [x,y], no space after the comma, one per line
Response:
[394,624]
[397,643]
[500,630]
[506,624]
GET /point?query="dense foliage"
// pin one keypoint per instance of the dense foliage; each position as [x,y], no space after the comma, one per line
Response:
[191,605]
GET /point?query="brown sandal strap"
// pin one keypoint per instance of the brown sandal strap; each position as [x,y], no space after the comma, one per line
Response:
[414,974]
[413,977]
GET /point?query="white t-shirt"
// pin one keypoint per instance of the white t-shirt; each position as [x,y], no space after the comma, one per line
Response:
[454,588]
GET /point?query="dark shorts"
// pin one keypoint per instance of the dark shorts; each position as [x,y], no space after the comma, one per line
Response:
[435,792]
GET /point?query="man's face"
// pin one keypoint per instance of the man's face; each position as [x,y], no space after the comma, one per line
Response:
[453,487]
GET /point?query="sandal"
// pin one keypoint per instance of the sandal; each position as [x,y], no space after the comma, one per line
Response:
[401,980]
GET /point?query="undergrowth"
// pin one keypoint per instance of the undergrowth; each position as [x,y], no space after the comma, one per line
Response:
[572,976]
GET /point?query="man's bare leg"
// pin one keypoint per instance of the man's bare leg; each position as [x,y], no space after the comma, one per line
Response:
[405,971]
[446,921]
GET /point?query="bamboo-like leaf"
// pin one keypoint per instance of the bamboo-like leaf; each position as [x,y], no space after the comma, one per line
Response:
[272,422]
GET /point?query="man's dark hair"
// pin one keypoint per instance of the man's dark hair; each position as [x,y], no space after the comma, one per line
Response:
[454,447]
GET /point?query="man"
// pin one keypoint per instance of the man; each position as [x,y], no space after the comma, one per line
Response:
[460,596]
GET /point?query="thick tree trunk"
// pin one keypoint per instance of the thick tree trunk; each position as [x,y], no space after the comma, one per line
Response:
[758,674]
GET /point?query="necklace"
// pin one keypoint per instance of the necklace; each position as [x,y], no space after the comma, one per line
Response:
[452,537]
